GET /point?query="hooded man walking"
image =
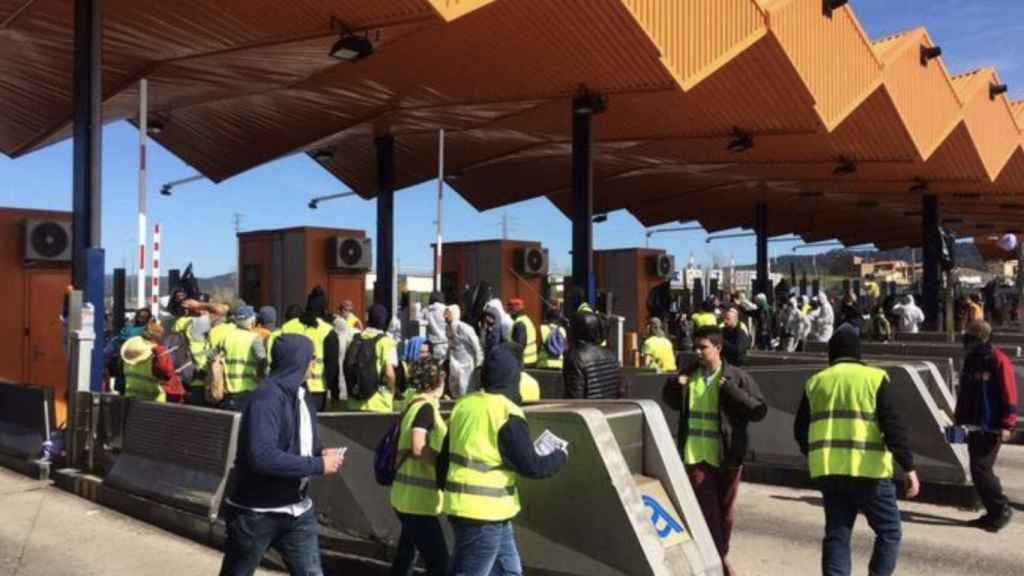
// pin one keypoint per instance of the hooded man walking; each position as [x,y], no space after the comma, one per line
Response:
[278,450]
[849,427]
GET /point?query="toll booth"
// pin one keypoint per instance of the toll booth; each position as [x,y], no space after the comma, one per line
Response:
[630,274]
[515,268]
[280,267]
[35,255]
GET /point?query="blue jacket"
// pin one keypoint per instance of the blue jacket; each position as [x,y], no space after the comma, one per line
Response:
[268,468]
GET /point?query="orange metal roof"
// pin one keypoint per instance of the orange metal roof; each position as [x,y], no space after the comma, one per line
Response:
[238,83]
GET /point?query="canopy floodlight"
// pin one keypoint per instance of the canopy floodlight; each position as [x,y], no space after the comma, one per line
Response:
[741,142]
[868,204]
[929,53]
[599,218]
[587,103]
[154,127]
[322,156]
[315,202]
[810,194]
[948,221]
[997,89]
[919,187]
[1011,206]
[351,48]
[828,6]
[845,167]
[912,214]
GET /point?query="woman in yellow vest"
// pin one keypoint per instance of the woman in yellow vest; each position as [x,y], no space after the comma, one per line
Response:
[658,351]
[488,446]
[148,368]
[547,358]
[414,494]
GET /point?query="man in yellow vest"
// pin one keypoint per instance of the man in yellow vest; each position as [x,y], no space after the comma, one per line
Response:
[849,427]
[658,352]
[245,359]
[370,365]
[716,403]
[195,326]
[706,316]
[547,358]
[312,325]
[487,448]
[414,494]
[524,332]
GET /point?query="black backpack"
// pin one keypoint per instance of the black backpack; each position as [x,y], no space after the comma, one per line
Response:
[181,355]
[360,367]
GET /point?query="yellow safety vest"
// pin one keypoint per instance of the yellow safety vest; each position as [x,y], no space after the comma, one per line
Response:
[316,336]
[704,435]
[545,360]
[660,354]
[352,320]
[530,351]
[140,383]
[529,388]
[415,489]
[218,333]
[242,372]
[845,439]
[478,486]
[198,348]
[382,400]
[702,319]
[585,307]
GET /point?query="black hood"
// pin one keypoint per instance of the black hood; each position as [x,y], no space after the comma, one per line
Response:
[316,306]
[586,327]
[290,359]
[844,345]
[500,373]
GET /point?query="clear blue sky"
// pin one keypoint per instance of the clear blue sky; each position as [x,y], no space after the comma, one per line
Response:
[197,220]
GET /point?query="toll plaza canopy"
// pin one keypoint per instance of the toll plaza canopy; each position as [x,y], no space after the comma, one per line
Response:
[713,106]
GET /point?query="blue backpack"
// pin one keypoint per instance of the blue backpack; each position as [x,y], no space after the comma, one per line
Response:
[555,344]
[385,456]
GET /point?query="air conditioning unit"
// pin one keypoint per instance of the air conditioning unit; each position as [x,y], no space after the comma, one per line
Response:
[348,253]
[47,241]
[662,265]
[533,261]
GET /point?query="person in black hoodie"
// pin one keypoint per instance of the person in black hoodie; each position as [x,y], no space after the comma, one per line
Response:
[487,448]
[591,371]
[278,450]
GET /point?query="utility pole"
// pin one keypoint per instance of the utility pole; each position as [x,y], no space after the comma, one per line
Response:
[238,271]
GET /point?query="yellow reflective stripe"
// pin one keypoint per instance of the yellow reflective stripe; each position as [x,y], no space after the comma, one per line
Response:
[414,481]
[472,464]
[474,490]
[704,433]
[843,415]
[847,444]
[698,415]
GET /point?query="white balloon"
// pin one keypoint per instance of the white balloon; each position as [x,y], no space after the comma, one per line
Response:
[1008,242]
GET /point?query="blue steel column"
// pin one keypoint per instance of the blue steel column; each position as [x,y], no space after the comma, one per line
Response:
[582,206]
[931,242]
[764,285]
[382,290]
[86,254]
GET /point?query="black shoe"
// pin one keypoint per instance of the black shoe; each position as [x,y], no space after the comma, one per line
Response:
[982,521]
[1000,521]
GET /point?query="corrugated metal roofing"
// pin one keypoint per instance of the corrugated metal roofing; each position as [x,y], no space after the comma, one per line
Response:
[237,84]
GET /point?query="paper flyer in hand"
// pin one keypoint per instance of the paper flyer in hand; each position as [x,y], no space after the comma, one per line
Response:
[547,443]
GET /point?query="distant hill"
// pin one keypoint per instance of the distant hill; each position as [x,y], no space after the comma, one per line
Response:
[837,262]
[214,285]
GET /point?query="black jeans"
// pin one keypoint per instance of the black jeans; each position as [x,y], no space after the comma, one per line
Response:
[845,497]
[421,534]
[983,448]
[250,534]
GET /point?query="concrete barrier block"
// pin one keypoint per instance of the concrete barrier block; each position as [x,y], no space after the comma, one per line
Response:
[26,419]
[175,455]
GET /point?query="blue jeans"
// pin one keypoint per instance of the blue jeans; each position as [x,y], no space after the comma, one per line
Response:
[250,534]
[876,499]
[421,534]
[485,548]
